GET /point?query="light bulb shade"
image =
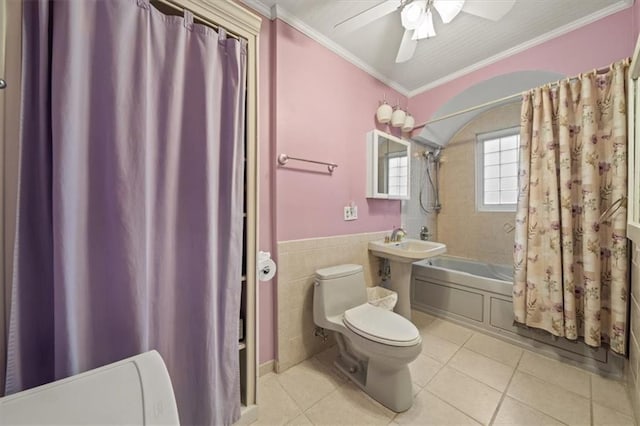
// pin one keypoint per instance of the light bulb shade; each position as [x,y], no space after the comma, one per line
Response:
[426,28]
[397,118]
[383,114]
[408,124]
[412,14]
[448,9]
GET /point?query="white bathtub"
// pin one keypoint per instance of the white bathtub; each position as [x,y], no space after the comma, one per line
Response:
[470,267]
[479,295]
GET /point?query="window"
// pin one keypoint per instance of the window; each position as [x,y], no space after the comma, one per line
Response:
[497,170]
[398,179]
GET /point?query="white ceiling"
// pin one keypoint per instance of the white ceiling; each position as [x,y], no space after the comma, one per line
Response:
[467,43]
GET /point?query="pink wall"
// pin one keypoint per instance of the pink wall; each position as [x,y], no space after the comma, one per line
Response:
[324,108]
[595,45]
[312,104]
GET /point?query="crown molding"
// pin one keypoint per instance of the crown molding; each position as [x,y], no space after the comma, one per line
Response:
[259,7]
[279,12]
[586,20]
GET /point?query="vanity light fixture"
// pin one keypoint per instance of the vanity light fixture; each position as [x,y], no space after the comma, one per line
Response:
[398,116]
[409,123]
[384,112]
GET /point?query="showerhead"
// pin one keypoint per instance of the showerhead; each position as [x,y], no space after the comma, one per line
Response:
[433,155]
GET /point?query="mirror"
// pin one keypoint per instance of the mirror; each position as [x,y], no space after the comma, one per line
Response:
[388,161]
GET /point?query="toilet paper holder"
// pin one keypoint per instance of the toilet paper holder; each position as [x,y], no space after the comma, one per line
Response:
[266,266]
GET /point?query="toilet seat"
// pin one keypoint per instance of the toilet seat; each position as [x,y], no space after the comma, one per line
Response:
[381,326]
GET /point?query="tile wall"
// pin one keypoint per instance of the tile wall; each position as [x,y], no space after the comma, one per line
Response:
[466,231]
[414,216]
[297,262]
[634,348]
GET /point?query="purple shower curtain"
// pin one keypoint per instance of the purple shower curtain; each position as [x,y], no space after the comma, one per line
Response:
[129,234]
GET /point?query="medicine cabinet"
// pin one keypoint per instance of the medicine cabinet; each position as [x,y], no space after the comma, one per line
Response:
[388,163]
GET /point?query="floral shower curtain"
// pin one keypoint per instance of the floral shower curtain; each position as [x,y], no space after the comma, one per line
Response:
[570,246]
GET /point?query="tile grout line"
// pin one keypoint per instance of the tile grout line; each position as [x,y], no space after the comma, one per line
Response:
[504,393]
[446,364]
[301,411]
[536,409]
[450,405]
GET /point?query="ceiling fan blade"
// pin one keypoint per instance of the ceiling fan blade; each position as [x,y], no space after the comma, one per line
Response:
[407,47]
[488,9]
[369,15]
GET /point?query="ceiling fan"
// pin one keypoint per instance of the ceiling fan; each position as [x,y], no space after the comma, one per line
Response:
[416,17]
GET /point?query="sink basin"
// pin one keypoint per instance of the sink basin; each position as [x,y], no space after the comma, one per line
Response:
[407,250]
[401,255]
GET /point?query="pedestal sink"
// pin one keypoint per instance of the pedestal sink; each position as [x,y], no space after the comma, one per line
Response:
[401,255]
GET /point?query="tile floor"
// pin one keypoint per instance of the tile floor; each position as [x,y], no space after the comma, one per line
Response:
[461,378]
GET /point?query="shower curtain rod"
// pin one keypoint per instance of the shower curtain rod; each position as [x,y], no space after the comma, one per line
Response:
[473,108]
[178,7]
[504,99]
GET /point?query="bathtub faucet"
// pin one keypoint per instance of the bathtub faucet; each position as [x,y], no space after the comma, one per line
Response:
[398,234]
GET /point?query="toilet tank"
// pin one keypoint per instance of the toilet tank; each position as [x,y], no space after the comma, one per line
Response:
[337,289]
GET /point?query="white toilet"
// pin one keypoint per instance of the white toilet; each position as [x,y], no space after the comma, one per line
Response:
[375,345]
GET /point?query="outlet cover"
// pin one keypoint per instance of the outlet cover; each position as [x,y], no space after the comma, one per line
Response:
[350,213]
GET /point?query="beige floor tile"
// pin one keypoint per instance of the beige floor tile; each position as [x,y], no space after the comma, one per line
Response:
[512,413]
[328,356]
[603,416]
[448,331]
[415,389]
[503,352]
[486,370]
[301,420]
[308,382]
[610,393]
[552,400]
[347,405]
[556,372]
[420,319]
[439,349]
[470,396]
[428,409]
[423,369]
[276,406]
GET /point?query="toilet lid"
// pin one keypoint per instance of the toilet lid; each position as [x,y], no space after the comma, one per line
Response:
[381,325]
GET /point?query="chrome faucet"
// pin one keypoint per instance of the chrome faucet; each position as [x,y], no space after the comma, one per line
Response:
[395,237]
[424,233]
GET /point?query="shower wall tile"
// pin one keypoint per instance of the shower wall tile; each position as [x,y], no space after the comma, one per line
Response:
[297,262]
[632,364]
[413,217]
[466,231]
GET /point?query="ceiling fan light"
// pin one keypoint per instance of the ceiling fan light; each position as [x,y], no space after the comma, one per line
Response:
[412,14]
[448,9]
[426,28]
